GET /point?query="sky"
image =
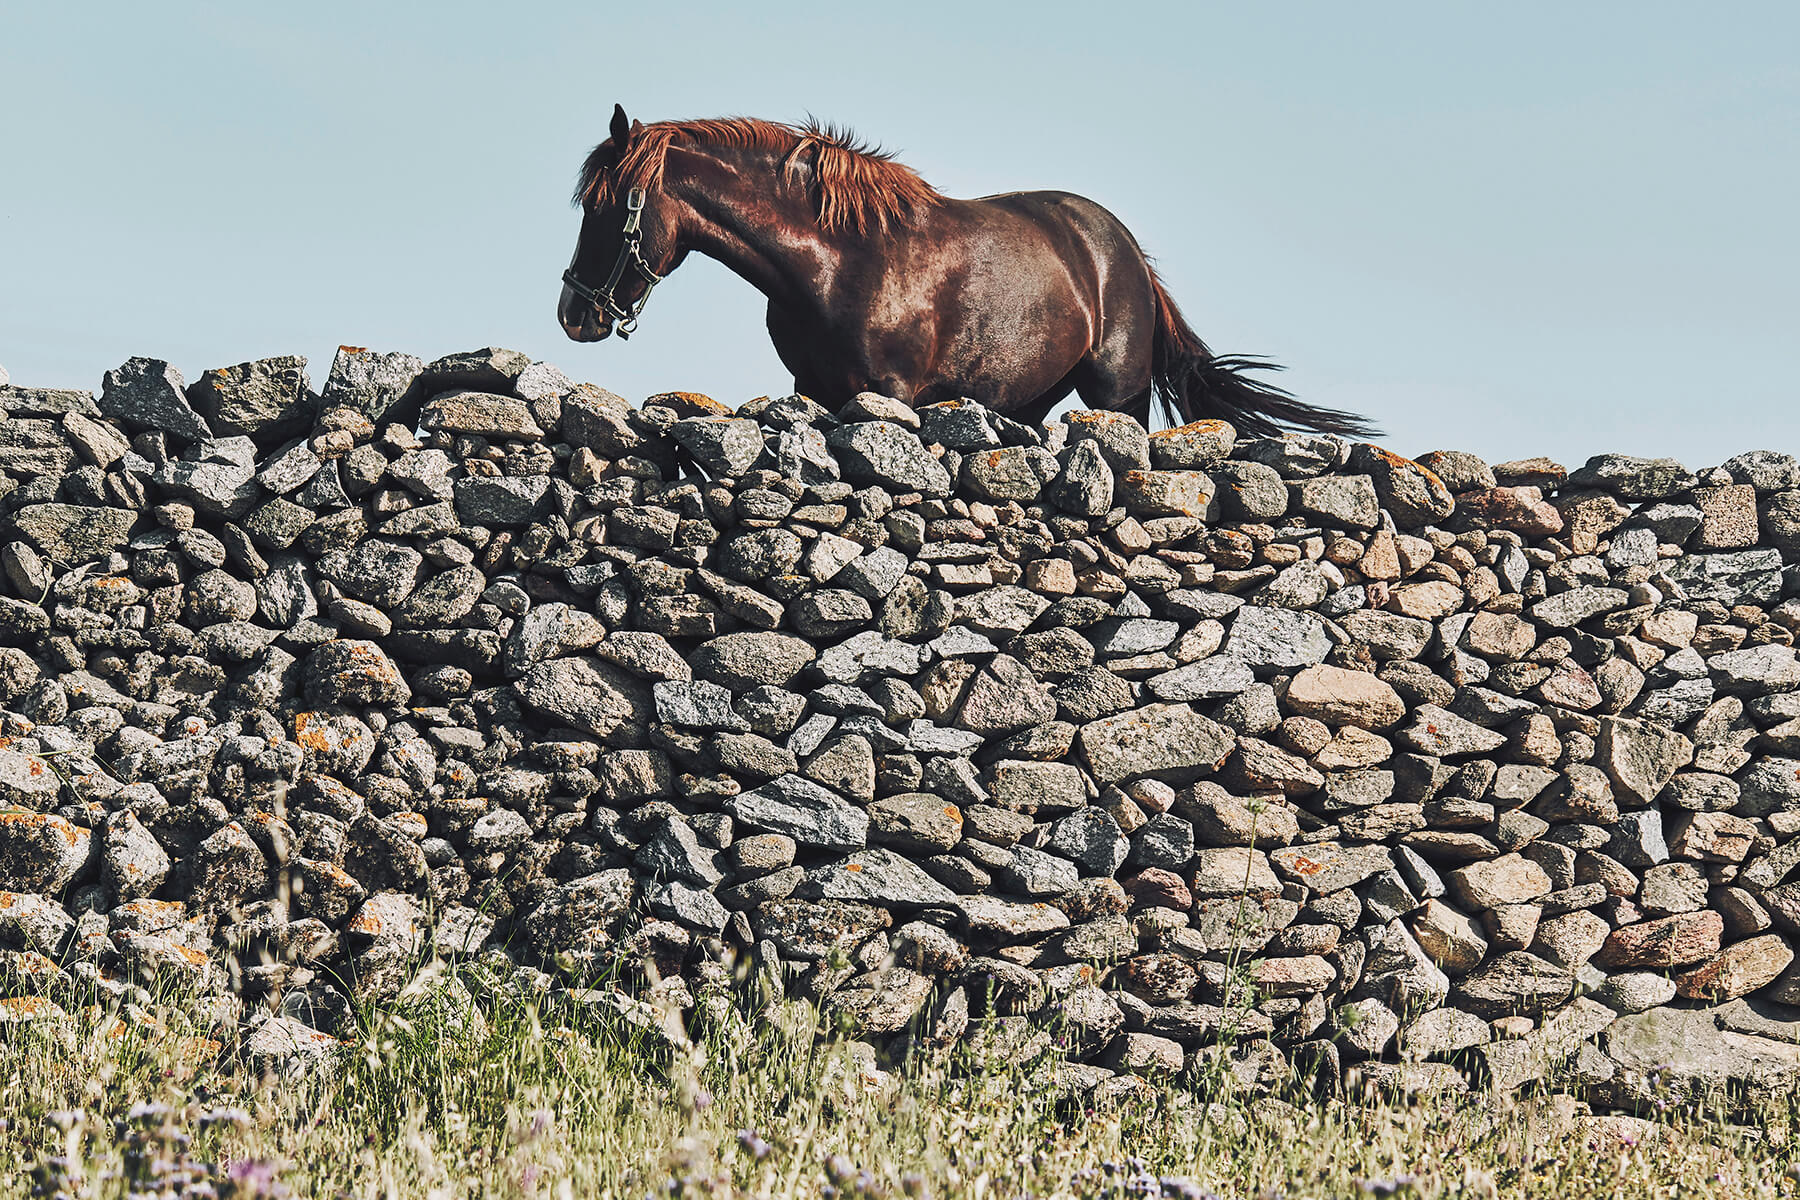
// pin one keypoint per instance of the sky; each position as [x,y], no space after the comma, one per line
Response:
[1521,229]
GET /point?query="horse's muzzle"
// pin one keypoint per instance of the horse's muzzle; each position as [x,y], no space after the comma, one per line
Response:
[583,322]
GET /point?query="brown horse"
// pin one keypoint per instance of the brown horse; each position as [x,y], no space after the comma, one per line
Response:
[877,282]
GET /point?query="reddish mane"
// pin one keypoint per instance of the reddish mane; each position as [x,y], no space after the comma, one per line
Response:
[854,186]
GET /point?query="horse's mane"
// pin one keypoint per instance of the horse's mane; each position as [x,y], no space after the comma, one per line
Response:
[854,185]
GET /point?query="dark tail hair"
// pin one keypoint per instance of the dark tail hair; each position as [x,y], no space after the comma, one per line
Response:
[1194,383]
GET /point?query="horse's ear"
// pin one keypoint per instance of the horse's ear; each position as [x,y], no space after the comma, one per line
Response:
[621,126]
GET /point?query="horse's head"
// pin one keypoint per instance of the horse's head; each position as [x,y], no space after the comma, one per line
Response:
[625,248]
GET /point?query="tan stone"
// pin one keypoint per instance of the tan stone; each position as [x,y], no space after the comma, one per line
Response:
[1669,942]
[1672,629]
[1500,637]
[1231,871]
[1728,517]
[1352,748]
[1572,938]
[1380,559]
[1513,926]
[1570,687]
[1340,697]
[1509,879]
[1262,767]
[1449,937]
[1712,837]
[1292,976]
[1427,601]
[1737,970]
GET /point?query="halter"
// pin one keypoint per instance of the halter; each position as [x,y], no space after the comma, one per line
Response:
[603,297]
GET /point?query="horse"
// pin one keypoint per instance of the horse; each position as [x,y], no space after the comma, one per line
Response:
[877,282]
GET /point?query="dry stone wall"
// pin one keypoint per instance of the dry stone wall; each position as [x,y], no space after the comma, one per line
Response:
[1175,749]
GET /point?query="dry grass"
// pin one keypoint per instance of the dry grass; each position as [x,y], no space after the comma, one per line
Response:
[445,1096]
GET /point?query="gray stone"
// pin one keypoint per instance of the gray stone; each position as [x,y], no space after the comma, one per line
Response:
[147,393]
[369,382]
[1251,491]
[886,454]
[1155,740]
[265,399]
[1345,500]
[801,809]
[1276,638]
[876,876]
[1209,679]
[1632,478]
[593,696]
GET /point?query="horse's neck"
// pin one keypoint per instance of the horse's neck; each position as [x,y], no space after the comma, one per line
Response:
[738,214]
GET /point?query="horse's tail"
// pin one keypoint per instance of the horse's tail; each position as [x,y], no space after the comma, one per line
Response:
[1195,383]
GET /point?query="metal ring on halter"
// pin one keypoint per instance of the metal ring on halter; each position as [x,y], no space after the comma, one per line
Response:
[605,297]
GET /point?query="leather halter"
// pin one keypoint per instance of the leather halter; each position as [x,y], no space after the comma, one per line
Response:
[605,297]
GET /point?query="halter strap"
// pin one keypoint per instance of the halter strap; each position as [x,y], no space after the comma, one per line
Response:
[631,255]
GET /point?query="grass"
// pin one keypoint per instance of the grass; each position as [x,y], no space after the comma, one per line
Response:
[492,1092]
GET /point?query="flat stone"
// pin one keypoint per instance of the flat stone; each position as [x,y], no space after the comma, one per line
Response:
[1675,941]
[73,533]
[1737,970]
[804,811]
[1340,697]
[1276,638]
[874,876]
[1566,609]
[1342,500]
[1155,740]
[886,454]
[594,696]
[1443,734]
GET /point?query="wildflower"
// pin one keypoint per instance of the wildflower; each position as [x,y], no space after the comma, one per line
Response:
[753,1145]
[1388,1187]
[226,1116]
[839,1168]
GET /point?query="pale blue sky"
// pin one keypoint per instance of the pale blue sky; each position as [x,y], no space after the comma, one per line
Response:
[1512,229]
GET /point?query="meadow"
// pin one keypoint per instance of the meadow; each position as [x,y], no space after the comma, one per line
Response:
[469,1085]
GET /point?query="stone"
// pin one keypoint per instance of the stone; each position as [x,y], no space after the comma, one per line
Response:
[742,661]
[1639,756]
[1276,638]
[800,809]
[1514,982]
[1340,697]
[589,694]
[1442,734]
[1508,880]
[1166,493]
[1675,941]
[1737,970]
[1632,478]
[74,533]
[874,876]
[1411,492]
[885,454]
[1162,740]
[147,393]
[1570,608]
[1326,867]
[1344,500]
[1449,937]
[1511,1064]
[1202,445]
[372,383]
